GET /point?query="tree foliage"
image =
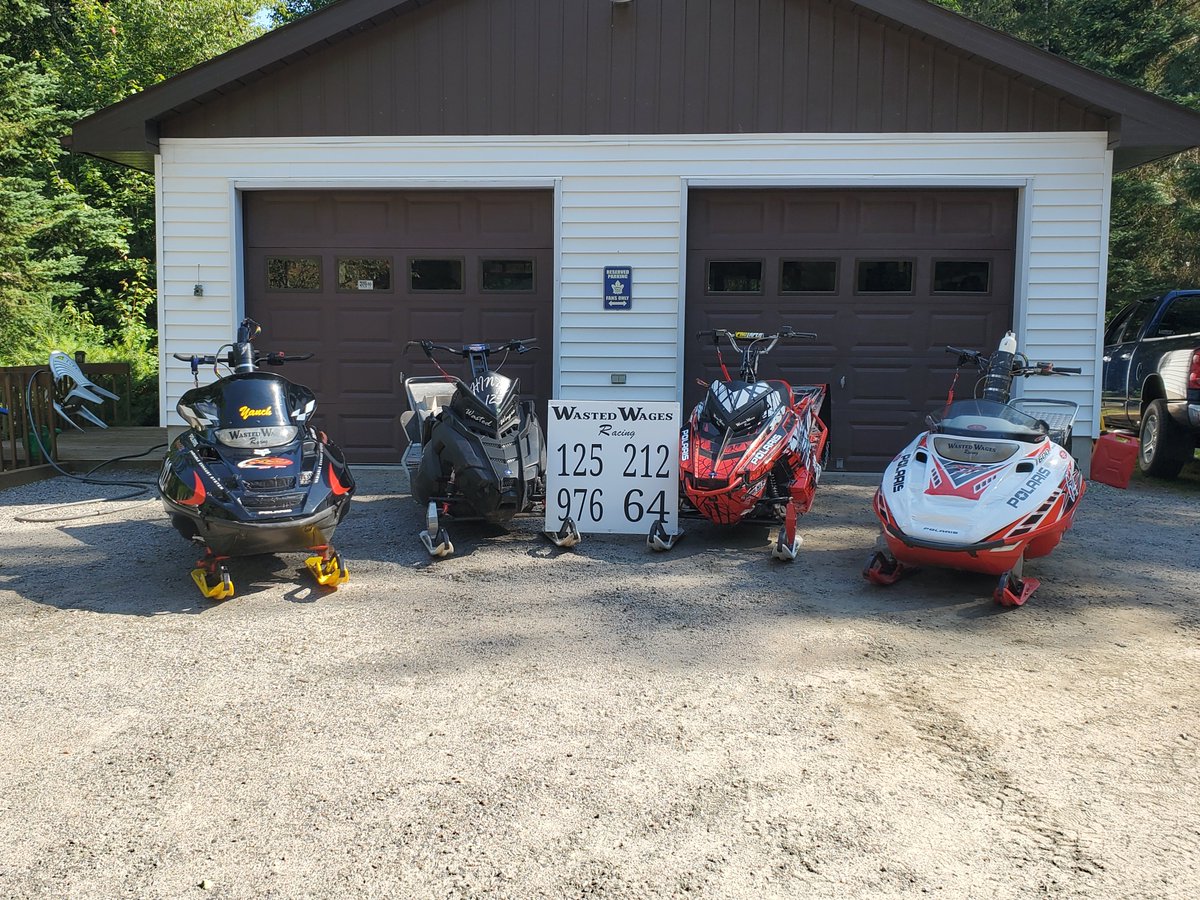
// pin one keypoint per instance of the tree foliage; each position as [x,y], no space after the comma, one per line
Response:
[284,11]
[77,234]
[1151,44]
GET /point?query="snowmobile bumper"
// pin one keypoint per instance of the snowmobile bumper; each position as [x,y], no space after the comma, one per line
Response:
[226,537]
[988,557]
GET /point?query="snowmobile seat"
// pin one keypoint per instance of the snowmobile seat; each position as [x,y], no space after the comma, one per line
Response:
[427,395]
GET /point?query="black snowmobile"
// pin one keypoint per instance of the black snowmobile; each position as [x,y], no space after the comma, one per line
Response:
[251,475]
[475,450]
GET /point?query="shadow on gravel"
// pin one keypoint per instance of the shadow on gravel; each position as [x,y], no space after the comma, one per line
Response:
[117,566]
[138,566]
[143,568]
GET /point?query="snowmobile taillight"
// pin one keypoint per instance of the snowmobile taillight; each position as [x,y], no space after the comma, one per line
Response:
[1194,372]
[334,485]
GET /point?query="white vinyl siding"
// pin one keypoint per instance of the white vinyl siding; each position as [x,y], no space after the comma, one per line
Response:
[622,202]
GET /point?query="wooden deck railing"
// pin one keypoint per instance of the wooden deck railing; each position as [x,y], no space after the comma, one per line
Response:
[18,449]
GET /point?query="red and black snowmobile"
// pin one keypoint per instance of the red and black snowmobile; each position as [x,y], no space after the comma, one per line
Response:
[752,451]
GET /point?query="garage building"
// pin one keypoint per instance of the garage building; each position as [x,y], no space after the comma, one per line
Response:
[884,173]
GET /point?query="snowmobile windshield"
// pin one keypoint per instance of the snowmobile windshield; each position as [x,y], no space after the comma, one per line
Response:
[740,405]
[251,410]
[987,419]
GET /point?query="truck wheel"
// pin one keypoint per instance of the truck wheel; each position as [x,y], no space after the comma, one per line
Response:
[1163,445]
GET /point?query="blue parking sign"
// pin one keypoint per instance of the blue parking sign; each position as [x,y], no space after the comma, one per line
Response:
[618,287]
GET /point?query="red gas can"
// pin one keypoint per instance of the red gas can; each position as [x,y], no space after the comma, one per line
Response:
[1114,458]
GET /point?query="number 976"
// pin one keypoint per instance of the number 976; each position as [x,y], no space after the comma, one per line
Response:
[573,502]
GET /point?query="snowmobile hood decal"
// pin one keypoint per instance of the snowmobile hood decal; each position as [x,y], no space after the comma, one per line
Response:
[265,462]
[491,389]
[961,479]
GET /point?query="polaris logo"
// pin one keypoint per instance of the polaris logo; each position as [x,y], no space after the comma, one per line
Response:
[1031,485]
[765,450]
[685,446]
[901,473]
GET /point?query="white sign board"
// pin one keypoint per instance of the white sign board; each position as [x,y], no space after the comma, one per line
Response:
[612,466]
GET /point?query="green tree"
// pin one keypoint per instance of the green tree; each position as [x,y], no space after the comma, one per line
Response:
[77,234]
[1152,44]
[281,12]
[46,228]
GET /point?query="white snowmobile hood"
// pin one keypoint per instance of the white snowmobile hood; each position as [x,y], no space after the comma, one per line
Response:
[955,491]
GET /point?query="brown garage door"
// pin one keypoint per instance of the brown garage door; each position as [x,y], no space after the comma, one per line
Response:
[886,278]
[353,275]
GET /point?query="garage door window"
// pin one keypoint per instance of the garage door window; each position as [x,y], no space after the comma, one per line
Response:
[506,275]
[884,276]
[734,276]
[962,276]
[808,276]
[364,273]
[294,273]
[427,274]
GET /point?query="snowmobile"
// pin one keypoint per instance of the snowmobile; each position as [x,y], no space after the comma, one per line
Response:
[251,475]
[475,450]
[752,451]
[989,485]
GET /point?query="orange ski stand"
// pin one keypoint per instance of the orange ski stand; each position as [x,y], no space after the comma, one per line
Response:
[1114,457]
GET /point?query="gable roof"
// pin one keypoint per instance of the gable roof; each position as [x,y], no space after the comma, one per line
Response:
[736,72]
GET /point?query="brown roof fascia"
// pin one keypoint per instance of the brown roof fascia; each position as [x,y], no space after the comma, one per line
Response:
[1150,126]
[127,131]
[1146,126]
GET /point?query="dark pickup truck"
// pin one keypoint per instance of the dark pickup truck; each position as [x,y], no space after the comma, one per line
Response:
[1152,378]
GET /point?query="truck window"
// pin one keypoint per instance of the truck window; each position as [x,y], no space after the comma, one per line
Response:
[1181,317]
[1115,326]
[1127,324]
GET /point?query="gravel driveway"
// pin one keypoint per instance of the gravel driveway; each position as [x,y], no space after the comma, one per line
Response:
[517,721]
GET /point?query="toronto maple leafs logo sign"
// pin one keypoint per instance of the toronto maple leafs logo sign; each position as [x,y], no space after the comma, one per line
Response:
[618,287]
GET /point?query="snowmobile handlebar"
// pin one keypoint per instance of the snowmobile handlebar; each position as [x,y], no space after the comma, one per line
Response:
[755,337]
[521,345]
[277,358]
[1021,364]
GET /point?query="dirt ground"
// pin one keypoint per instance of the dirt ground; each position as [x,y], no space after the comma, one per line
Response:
[517,721]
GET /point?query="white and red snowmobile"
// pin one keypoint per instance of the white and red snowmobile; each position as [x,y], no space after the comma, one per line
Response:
[988,486]
[752,451]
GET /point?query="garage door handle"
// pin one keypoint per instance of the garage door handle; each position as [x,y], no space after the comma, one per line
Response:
[842,381]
